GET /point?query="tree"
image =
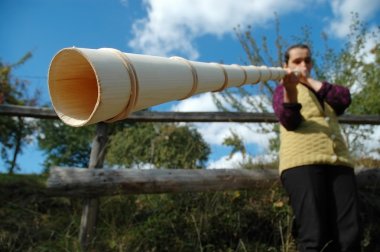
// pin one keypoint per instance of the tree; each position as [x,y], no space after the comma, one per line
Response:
[160,145]
[236,143]
[64,145]
[353,67]
[68,146]
[366,101]
[15,132]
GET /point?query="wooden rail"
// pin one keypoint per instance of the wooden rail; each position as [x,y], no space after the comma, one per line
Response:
[79,182]
[107,182]
[148,116]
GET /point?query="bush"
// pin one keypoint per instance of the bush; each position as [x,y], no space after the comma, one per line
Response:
[255,220]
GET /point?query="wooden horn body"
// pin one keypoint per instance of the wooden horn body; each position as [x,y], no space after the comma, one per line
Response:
[87,86]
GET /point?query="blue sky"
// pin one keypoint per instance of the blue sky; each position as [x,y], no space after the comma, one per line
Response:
[201,30]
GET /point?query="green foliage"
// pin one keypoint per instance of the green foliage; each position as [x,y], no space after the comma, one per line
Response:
[223,221]
[162,145]
[15,132]
[236,143]
[33,222]
[256,220]
[64,145]
[352,67]
[366,101]
[13,91]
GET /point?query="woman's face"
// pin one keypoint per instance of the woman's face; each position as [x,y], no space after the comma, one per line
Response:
[300,60]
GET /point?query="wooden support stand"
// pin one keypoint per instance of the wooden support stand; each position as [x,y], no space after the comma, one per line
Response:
[91,204]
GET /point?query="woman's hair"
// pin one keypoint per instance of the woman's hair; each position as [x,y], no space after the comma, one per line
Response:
[303,46]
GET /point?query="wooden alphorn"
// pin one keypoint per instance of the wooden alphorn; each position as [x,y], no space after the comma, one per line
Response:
[87,86]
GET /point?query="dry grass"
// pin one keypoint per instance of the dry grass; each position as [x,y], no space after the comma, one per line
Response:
[256,220]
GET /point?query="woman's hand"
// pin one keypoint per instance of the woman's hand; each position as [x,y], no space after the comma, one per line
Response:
[291,79]
[290,82]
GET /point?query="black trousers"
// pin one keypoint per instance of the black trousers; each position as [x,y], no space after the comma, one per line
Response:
[325,204]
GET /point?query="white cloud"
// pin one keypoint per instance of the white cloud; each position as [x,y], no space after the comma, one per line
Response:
[215,133]
[226,163]
[236,160]
[172,25]
[342,17]
[250,133]
[205,103]
[200,103]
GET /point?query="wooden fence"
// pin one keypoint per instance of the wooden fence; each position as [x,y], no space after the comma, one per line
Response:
[147,116]
[94,182]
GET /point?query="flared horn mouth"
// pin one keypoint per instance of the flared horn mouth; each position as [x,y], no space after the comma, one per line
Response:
[73,87]
[87,85]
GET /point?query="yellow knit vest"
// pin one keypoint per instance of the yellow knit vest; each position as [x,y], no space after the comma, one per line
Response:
[317,140]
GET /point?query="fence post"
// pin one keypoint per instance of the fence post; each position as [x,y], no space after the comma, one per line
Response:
[91,205]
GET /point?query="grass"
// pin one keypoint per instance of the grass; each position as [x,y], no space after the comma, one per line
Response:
[255,220]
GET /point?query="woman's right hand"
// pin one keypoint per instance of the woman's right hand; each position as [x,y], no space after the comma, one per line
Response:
[290,82]
[291,79]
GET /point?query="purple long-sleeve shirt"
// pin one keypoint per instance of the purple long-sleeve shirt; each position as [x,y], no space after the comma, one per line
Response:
[289,114]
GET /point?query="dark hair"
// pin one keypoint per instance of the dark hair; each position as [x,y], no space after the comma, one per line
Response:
[302,46]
